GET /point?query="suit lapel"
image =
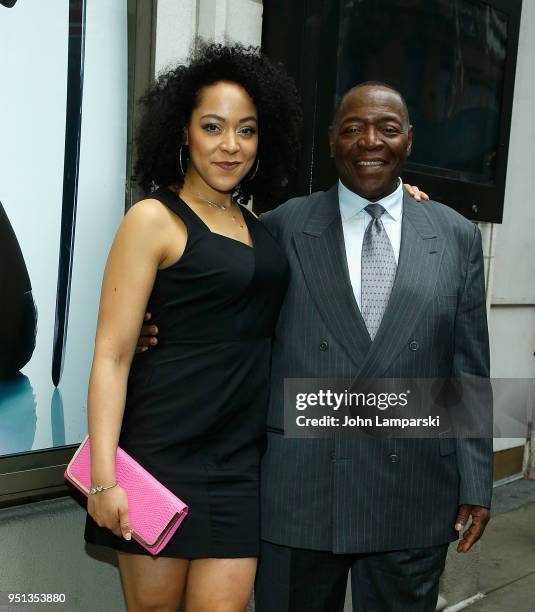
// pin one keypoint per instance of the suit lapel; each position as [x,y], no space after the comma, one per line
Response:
[321,252]
[419,261]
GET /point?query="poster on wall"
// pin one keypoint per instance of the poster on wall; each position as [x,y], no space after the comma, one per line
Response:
[63,118]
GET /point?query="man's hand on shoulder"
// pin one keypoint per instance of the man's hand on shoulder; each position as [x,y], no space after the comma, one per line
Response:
[147,337]
[416,193]
[480,517]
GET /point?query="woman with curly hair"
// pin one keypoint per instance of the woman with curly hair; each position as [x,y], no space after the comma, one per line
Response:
[215,132]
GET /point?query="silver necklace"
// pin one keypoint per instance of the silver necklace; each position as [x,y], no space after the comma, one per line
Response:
[211,203]
[220,207]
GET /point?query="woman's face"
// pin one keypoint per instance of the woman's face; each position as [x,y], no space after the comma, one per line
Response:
[222,137]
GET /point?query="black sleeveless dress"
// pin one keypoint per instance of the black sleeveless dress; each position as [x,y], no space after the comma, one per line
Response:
[196,404]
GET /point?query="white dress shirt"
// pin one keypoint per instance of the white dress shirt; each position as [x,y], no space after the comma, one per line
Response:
[355,221]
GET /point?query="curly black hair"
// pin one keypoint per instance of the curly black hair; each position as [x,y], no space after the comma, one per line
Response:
[169,102]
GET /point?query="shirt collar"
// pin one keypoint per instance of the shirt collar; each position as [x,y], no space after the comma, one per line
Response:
[351,204]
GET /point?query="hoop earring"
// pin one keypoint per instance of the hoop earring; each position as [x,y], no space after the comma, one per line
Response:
[180,160]
[255,171]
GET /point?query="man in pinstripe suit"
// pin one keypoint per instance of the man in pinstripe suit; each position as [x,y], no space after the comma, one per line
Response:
[385,509]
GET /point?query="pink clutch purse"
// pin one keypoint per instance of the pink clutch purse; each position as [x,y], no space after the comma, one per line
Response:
[155,513]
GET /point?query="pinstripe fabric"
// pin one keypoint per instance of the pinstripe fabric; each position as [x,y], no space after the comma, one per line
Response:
[362,495]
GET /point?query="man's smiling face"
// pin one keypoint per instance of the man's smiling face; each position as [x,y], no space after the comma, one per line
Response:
[371,140]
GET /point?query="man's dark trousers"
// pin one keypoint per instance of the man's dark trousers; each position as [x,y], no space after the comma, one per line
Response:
[300,580]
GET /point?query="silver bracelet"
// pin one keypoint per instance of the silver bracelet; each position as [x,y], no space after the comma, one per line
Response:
[98,488]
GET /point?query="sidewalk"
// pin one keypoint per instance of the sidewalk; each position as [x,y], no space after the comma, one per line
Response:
[507,562]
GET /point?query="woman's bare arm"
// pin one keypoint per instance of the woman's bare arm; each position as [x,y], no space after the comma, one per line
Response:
[140,246]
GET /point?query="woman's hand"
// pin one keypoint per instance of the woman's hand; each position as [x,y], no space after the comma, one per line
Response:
[413,191]
[110,509]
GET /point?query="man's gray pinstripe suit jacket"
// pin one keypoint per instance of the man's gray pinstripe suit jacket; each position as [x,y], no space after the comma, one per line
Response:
[351,495]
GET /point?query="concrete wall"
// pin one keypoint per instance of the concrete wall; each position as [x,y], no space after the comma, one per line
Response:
[231,20]
[176,26]
[179,21]
[42,551]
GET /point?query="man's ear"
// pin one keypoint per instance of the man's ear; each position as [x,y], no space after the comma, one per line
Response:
[409,140]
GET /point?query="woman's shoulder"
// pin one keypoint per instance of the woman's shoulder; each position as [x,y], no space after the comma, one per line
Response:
[149,213]
[148,209]
[149,229]
[151,221]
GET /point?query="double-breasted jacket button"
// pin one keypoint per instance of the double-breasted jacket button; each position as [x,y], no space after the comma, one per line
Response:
[414,346]
[324,345]
[394,458]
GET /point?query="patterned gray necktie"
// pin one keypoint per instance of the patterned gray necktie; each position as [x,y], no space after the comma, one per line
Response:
[378,270]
